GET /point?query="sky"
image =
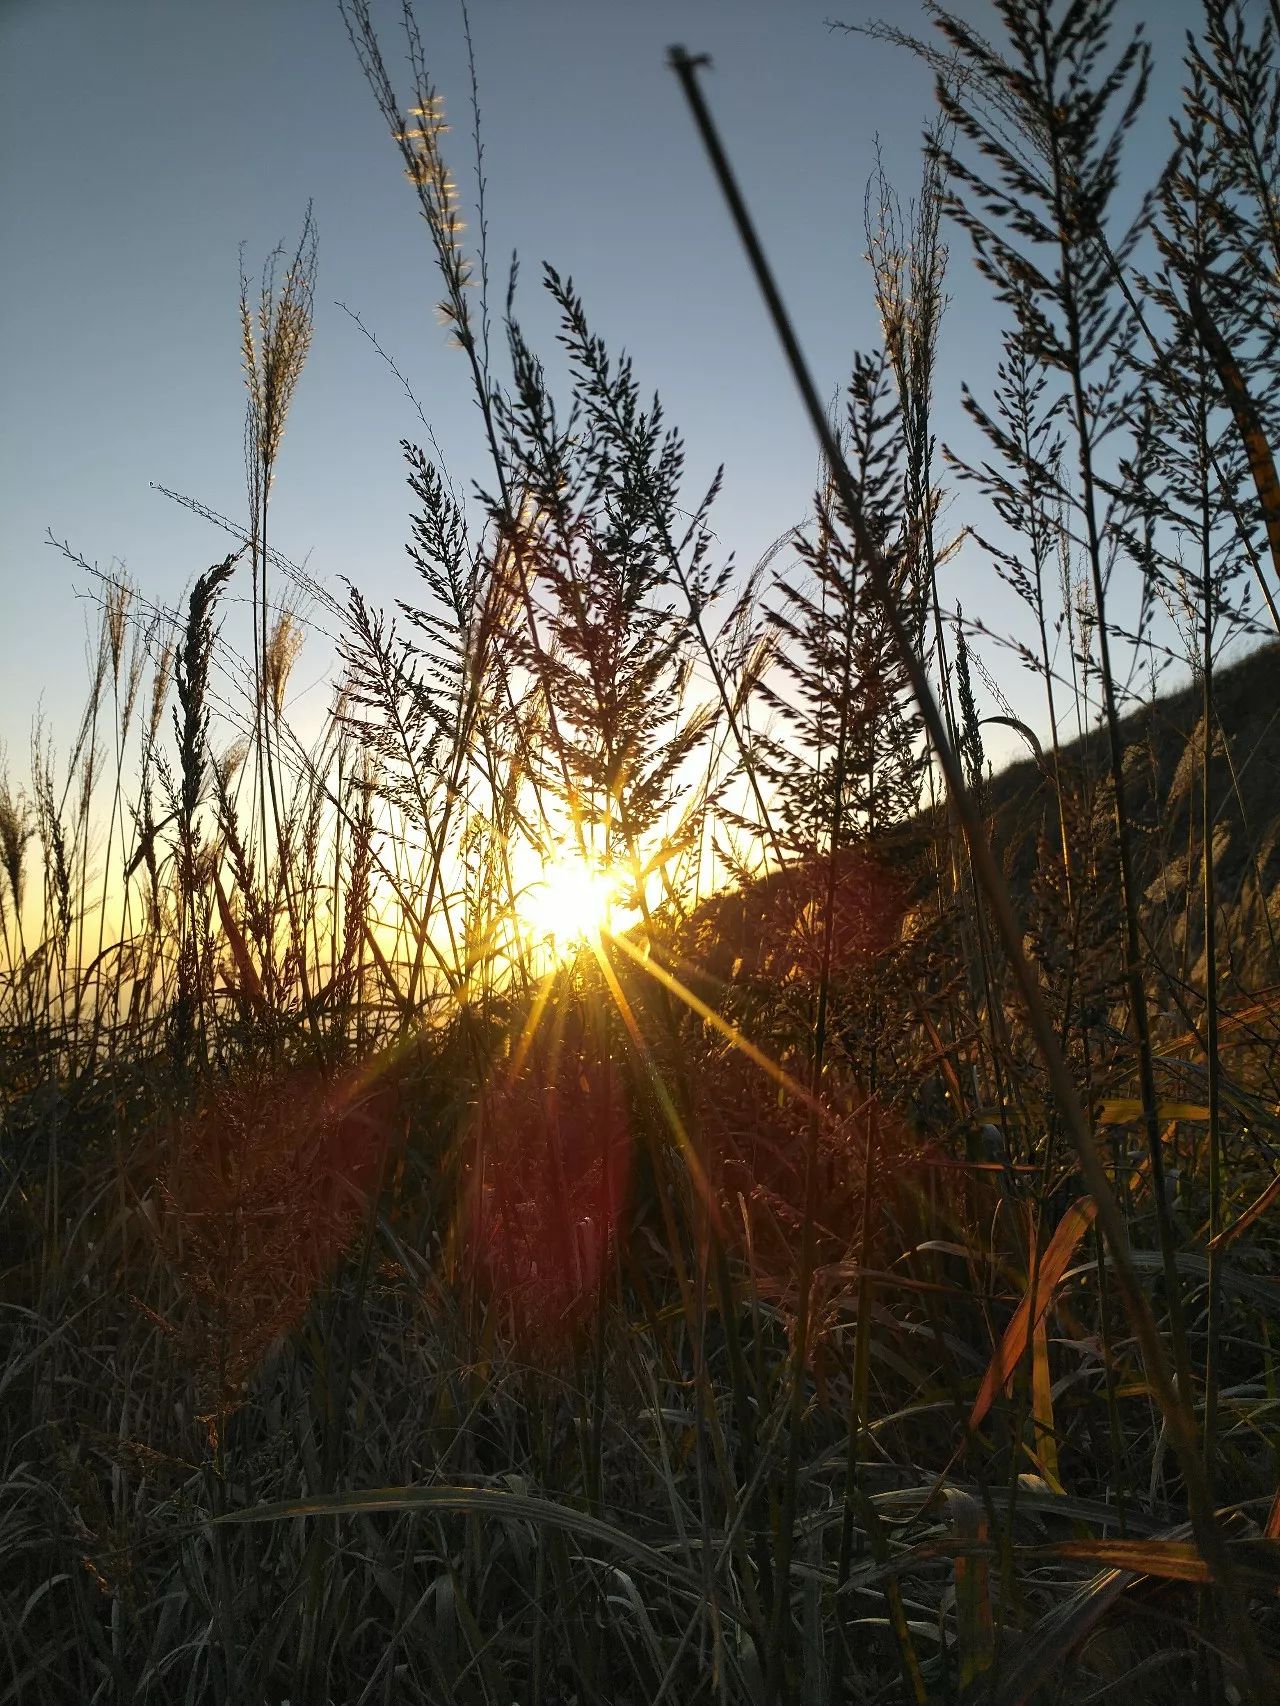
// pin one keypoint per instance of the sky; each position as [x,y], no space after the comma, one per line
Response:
[144,142]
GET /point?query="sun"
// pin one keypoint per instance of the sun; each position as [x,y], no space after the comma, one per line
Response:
[570,905]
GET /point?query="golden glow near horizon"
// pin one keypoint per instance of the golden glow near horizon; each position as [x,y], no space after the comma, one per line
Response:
[569,905]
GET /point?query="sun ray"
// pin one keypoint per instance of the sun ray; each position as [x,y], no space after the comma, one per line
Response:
[730,1032]
[640,1043]
[534,1018]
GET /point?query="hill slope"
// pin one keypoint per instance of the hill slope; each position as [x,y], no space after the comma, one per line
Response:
[1164,748]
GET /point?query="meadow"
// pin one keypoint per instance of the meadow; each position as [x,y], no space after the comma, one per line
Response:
[630,1165]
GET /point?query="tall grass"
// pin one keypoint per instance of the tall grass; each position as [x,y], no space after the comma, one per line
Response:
[743,1299]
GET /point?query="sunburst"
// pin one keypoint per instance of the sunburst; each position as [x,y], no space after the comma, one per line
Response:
[571,904]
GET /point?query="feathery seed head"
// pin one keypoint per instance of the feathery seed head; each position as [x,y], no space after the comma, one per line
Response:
[160,688]
[275,337]
[119,597]
[283,648]
[230,763]
[15,832]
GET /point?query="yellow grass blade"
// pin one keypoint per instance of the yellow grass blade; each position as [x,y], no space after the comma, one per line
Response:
[1042,1406]
[1125,1110]
[975,1634]
[1053,1264]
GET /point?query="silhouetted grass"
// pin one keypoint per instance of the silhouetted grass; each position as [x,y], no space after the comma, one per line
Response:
[404,1299]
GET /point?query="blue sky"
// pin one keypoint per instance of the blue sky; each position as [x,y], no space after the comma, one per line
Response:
[143,141]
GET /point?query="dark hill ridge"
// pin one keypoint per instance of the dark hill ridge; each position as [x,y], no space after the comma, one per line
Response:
[767,929]
[1164,748]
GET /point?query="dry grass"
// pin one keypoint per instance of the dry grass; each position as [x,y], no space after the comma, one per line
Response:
[393,1311]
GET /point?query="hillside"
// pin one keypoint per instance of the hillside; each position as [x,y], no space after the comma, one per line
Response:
[756,933]
[1164,745]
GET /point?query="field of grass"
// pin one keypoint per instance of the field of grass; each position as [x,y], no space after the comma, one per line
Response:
[631,1167]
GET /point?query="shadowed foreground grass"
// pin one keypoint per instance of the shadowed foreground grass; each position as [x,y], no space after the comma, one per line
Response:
[413,1291]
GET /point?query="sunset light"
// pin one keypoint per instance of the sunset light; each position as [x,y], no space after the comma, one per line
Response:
[570,905]
[640,1001]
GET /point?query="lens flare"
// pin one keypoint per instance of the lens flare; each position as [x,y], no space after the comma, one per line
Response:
[549,1168]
